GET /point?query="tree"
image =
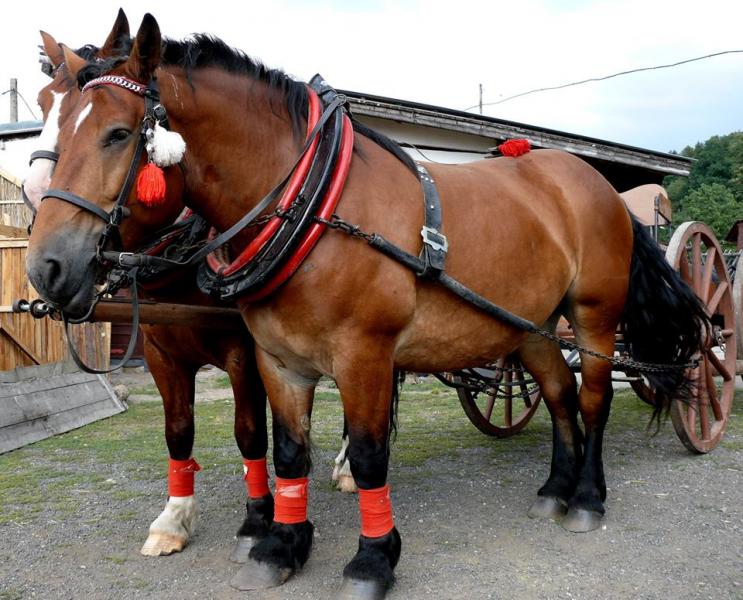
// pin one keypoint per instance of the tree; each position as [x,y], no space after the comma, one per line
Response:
[713,192]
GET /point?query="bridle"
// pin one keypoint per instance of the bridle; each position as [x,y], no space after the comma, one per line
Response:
[154,113]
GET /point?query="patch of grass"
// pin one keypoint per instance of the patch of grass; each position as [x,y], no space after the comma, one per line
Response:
[53,475]
[11,594]
[117,560]
[145,390]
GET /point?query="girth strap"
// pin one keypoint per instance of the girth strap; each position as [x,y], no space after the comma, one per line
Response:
[435,244]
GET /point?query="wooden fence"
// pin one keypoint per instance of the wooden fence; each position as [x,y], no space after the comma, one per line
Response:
[26,341]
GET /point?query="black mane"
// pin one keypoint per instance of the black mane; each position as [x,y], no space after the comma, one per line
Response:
[202,50]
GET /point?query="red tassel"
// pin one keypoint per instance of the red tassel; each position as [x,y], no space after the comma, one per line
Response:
[151,185]
[514,147]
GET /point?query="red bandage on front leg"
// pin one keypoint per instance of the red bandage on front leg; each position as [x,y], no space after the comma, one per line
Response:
[290,501]
[376,512]
[180,477]
[256,477]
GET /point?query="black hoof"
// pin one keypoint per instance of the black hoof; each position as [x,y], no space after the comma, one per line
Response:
[547,507]
[372,570]
[254,575]
[286,547]
[241,551]
[580,520]
[359,589]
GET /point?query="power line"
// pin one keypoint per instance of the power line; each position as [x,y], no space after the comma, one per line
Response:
[24,102]
[605,77]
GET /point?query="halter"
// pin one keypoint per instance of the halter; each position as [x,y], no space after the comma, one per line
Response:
[154,112]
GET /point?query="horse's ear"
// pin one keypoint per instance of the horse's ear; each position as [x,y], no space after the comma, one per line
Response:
[51,49]
[145,55]
[73,63]
[113,45]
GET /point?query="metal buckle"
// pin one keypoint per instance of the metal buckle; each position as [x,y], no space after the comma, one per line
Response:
[434,238]
[122,258]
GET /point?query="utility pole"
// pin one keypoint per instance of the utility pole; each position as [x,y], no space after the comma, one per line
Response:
[480,103]
[13,100]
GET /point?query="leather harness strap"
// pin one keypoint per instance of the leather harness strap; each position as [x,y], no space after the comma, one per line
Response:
[435,244]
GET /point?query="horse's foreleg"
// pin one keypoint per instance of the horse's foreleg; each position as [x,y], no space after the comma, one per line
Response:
[287,545]
[366,387]
[252,440]
[172,529]
[545,362]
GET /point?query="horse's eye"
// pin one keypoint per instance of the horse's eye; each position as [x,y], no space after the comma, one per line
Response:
[117,135]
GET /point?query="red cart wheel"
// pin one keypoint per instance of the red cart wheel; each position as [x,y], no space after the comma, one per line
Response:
[501,399]
[696,254]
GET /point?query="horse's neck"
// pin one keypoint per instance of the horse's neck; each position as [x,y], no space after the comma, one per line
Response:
[238,137]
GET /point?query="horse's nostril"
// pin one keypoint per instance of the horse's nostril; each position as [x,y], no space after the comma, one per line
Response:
[53,272]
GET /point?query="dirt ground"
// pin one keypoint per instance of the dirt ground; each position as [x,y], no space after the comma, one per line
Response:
[674,524]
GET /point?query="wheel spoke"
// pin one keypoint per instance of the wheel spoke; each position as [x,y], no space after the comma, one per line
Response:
[508,400]
[712,392]
[702,407]
[706,279]
[714,302]
[488,412]
[684,268]
[696,262]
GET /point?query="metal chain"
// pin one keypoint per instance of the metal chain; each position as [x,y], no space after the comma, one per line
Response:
[624,363]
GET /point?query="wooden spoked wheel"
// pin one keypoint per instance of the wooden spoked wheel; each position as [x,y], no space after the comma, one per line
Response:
[501,399]
[696,254]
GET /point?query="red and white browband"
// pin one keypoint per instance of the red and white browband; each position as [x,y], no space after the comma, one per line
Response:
[117,80]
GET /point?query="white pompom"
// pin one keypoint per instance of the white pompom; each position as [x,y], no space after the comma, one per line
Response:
[165,148]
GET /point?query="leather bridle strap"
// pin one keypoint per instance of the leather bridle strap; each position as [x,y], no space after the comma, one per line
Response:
[78,201]
[47,154]
[132,339]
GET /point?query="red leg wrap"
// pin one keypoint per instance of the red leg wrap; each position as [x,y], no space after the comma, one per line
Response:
[180,477]
[376,512]
[290,500]
[256,477]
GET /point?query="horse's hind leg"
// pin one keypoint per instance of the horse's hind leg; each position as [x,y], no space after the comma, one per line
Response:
[545,362]
[252,440]
[594,331]
[171,530]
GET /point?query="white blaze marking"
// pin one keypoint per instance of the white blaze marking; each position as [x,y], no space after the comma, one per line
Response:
[40,173]
[83,114]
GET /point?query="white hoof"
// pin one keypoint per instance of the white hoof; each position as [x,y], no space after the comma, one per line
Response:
[171,530]
[345,481]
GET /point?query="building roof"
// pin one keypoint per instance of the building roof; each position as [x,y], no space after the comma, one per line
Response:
[499,130]
[20,130]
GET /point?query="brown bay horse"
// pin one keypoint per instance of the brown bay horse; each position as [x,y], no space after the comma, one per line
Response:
[542,235]
[174,353]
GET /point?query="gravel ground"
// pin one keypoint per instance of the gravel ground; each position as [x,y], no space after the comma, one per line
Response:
[674,529]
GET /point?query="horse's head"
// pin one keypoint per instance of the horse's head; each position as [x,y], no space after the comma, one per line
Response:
[55,100]
[98,129]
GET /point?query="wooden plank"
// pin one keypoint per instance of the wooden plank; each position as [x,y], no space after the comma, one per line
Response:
[39,402]
[33,431]
[13,232]
[10,332]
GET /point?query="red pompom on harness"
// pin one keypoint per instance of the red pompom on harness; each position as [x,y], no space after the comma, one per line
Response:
[290,500]
[376,512]
[151,185]
[256,477]
[514,147]
[181,476]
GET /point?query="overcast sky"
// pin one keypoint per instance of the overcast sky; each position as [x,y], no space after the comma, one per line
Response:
[438,52]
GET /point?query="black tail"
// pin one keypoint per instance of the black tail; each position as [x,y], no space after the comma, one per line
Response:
[398,378]
[664,321]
